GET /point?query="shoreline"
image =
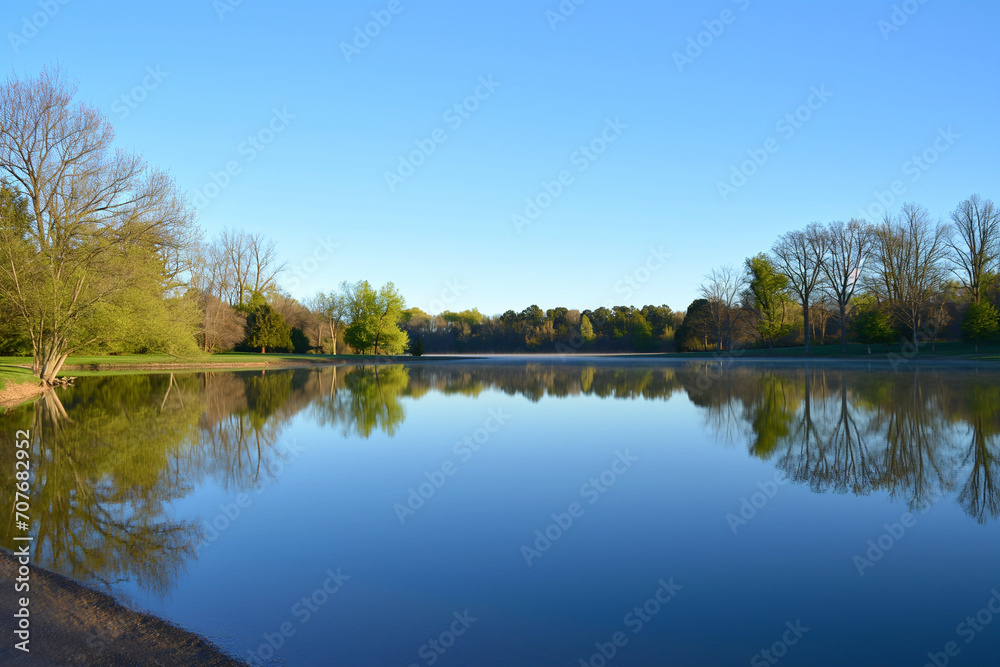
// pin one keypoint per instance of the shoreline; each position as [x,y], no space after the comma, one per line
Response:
[16,393]
[74,624]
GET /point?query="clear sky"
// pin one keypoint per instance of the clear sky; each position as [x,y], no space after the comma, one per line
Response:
[340,118]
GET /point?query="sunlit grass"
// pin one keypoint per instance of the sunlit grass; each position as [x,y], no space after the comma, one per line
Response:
[100,361]
[13,375]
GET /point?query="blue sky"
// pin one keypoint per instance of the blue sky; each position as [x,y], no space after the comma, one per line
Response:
[227,70]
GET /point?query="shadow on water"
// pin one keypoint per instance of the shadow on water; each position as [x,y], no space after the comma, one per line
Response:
[110,454]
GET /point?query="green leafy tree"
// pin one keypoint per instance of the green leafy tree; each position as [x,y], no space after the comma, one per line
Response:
[872,324]
[692,333]
[586,329]
[266,328]
[15,222]
[981,324]
[768,292]
[374,318]
[100,218]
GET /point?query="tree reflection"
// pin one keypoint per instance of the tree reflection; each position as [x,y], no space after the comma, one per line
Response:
[110,454]
[980,496]
[364,399]
[97,498]
[848,431]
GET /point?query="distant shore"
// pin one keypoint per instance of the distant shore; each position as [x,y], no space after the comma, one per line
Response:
[21,386]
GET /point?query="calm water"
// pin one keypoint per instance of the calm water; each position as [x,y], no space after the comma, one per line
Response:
[536,513]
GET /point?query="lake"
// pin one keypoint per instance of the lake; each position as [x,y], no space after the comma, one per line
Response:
[537,511]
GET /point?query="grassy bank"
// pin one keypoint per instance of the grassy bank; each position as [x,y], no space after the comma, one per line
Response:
[16,365]
[11,375]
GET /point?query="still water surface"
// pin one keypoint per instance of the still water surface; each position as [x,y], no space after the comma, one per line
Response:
[535,513]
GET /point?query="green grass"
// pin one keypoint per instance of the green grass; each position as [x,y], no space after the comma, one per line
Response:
[202,360]
[14,375]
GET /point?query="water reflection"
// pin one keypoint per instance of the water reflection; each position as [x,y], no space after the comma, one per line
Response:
[111,453]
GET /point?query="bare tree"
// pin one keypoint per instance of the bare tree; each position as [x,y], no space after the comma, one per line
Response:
[849,248]
[223,327]
[299,316]
[909,264]
[800,256]
[101,218]
[976,243]
[722,289]
[333,307]
[238,264]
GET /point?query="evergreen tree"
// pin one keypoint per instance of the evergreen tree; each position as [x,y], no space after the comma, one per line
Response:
[266,328]
[417,347]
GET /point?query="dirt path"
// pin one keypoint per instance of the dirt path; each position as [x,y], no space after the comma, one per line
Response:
[13,394]
[74,625]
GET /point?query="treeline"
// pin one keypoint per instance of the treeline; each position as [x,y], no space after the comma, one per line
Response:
[100,253]
[904,279]
[558,330]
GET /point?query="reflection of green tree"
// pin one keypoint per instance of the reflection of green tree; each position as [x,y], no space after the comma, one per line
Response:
[117,449]
[367,398]
[771,415]
[266,393]
[103,475]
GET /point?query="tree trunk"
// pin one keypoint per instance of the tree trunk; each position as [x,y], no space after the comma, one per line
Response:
[805,322]
[843,330]
[51,365]
[263,350]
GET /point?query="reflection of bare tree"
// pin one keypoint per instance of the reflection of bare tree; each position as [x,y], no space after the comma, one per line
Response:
[844,430]
[110,453]
[242,423]
[827,449]
[853,467]
[918,463]
[980,496]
